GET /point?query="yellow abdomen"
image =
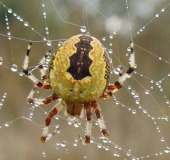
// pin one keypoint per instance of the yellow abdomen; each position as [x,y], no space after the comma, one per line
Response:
[80,69]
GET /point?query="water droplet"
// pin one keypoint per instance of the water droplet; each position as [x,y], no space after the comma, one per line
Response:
[114,32]
[147,92]
[128,49]
[160,58]
[151,81]
[43,4]
[99,145]
[135,65]
[128,153]
[167,101]
[43,153]
[60,43]
[144,111]
[116,154]
[162,140]
[18,17]
[14,14]
[157,15]
[141,29]
[116,71]
[63,144]
[76,125]
[44,13]
[83,29]
[111,36]
[117,102]
[9,10]
[9,37]
[167,150]
[166,118]
[14,67]
[6,124]
[129,87]
[49,43]
[6,19]
[75,144]
[104,39]
[8,33]
[110,51]
[26,24]
[1,60]
[133,92]
[106,148]
[163,9]
[134,111]
[105,140]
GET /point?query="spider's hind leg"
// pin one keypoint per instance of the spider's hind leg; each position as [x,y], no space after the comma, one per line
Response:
[55,110]
[100,119]
[87,107]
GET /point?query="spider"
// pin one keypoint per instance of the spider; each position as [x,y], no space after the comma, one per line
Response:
[78,76]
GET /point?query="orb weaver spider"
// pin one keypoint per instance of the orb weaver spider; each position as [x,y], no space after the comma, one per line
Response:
[78,75]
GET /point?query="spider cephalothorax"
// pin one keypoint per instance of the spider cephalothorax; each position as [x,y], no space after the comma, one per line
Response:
[78,75]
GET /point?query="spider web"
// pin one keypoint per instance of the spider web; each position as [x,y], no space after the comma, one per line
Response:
[137,117]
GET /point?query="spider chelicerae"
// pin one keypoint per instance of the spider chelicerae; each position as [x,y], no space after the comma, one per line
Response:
[78,76]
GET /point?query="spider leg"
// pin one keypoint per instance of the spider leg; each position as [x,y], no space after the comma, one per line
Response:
[32,100]
[112,88]
[55,110]
[99,116]
[40,66]
[87,107]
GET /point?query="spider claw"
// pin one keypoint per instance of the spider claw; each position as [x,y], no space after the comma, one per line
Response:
[85,141]
[43,139]
[105,132]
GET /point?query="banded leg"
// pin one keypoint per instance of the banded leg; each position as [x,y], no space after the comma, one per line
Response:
[87,107]
[40,66]
[112,88]
[38,101]
[55,110]
[99,116]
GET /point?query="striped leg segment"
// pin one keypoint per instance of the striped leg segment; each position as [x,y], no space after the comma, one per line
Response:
[112,88]
[99,116]
[96,107]
[56,109]
[87,107]
[29,74]
[38,101]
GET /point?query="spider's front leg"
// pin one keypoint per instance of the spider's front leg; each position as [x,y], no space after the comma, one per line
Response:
[29,74]
[112,88]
